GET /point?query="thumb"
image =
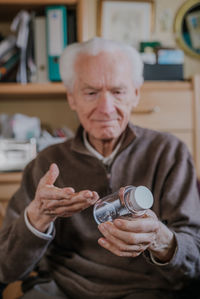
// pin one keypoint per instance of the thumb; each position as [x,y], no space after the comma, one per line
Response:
[51,175]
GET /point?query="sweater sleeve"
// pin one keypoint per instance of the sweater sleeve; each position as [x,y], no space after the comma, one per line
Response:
[48,235]
[179,210]
[20,249]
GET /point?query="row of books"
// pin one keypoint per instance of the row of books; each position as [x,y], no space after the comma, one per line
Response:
[31,53]
[9,58]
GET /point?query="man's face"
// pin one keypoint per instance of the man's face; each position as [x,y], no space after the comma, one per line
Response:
[103,94]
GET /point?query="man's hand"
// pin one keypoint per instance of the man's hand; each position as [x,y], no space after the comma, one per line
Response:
[51,202]
[130,237]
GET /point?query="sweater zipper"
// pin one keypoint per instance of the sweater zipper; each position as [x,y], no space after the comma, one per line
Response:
[108,175]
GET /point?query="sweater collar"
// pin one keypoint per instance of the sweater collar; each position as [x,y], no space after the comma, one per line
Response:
[78,145]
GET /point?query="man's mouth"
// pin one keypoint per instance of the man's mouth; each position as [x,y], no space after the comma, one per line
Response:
[105,120]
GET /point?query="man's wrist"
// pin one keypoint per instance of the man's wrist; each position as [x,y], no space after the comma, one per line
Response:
[164,247]
[41,223]
[48,235]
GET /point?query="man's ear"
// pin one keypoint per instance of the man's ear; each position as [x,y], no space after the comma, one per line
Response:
[136,97]
[71,101]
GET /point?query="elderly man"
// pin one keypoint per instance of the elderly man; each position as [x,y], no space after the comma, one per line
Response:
[49,223]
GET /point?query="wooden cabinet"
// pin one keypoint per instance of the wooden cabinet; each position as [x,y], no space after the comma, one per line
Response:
[9,183]
[172,107]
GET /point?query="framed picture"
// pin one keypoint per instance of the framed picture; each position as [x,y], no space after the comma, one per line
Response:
[128,21]
[193,24]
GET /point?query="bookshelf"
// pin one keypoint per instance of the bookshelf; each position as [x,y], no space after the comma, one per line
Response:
[11,89]
[48,100]
[33,2]
[31,89]
[9,9]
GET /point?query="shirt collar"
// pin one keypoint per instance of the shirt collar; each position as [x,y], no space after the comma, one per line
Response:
[105,160]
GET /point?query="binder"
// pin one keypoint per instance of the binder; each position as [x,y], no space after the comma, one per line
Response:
[71,26]
[56,21]
[20,24]
[7,56]
[40,48]
[9,65]
[7,44]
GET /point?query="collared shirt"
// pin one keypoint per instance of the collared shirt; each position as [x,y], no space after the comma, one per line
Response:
[105,160]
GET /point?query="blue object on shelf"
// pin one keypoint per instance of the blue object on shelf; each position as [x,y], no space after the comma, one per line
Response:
[56,38]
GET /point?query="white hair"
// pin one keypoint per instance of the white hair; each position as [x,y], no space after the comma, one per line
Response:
[93,47]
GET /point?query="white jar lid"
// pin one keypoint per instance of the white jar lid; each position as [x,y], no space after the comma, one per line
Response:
[141,198]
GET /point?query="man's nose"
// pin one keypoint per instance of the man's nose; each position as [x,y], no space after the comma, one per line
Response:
[106,103]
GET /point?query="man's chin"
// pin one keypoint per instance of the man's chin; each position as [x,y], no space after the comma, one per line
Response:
[107,134]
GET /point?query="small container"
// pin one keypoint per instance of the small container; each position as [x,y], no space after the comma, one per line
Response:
[136,200]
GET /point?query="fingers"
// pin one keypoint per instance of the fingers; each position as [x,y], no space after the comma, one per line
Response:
[86,198]
[51,202]
[67,196]
[140,224]
[121,249]
[128,237]
[53,193]
[112,233]
[127,245]
[72,203]
[86,195]
[66,211]
[55,202]
[51,175]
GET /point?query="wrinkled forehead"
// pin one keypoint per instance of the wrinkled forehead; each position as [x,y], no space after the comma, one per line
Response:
[103,63]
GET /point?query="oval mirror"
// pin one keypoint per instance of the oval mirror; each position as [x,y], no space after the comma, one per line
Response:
[187,28]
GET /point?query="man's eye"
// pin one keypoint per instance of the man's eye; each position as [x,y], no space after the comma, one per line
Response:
[117,92]
[92,93]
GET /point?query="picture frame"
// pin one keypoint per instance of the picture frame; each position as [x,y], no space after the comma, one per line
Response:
[193,24]
[129,21]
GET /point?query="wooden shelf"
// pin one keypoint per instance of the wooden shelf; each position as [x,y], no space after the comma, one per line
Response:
[52,89]
[36,2]
[173,85]
[10,177]
[31,89]
[15,5]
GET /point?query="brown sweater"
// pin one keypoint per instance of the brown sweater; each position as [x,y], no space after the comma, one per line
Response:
[73,258]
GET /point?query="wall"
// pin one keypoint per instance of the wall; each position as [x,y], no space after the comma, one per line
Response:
[165,11]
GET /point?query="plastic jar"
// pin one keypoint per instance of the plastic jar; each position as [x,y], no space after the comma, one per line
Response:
[135,201]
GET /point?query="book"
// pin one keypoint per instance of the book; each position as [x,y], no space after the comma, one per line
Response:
[40,48]
[31,66]
[56,38]
[20,25]
[8,55]
[7,44]
[170,56]
[9,65]
[71,25]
